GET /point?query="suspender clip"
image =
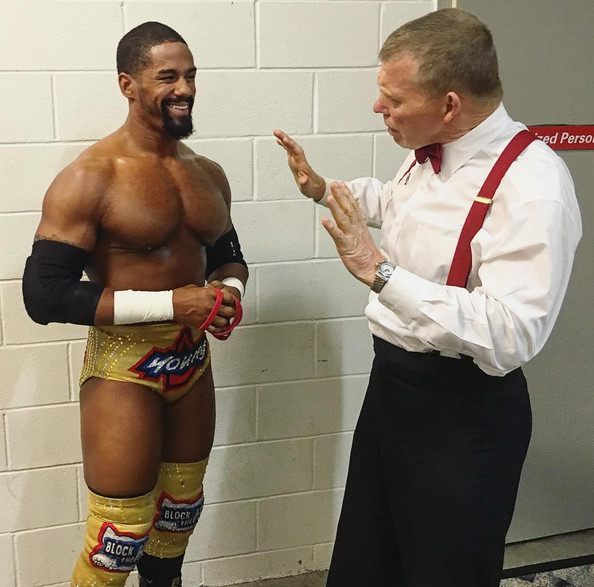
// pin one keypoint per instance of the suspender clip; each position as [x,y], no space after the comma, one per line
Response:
[482,200]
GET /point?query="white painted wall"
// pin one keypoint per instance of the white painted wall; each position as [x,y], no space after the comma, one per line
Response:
[291,379]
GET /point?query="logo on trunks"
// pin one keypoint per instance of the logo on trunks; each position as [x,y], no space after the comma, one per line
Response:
[177,516]
[115,551]
[175,365]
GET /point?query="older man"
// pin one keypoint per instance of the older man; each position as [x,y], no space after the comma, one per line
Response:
[478,233]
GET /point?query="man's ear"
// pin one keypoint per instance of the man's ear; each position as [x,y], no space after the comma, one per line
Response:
[127,85]
[452,106]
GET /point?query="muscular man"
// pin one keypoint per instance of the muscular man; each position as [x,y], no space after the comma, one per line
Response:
[455,309]
[149,222]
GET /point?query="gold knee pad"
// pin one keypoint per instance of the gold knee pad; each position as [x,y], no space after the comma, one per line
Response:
[179,504]
[117,532]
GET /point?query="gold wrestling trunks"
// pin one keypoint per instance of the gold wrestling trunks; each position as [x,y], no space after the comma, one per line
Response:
[166,357]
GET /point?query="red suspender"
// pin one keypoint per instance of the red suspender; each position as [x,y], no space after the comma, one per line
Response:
[462,257]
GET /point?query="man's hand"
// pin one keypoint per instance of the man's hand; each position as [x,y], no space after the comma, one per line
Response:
[351,236]
[192,305]
[309,182]
[229,288]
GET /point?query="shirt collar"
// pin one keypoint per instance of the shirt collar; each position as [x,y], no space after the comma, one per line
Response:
[458,152]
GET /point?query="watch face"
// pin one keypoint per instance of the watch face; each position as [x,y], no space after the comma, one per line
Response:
[385,269]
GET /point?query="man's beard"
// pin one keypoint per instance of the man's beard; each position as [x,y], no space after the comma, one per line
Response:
[178,128]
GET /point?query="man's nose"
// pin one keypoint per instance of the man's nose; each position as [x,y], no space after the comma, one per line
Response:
[182,87]
[379,107]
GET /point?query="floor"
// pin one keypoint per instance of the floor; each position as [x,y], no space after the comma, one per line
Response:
[533,552]
[317,579]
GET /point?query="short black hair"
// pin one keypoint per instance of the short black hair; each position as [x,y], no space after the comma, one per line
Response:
[133,48]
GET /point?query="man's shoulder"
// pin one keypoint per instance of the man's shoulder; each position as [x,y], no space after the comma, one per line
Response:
[200,161]
[88,176]
[538,174]
[205,166]
[95,163]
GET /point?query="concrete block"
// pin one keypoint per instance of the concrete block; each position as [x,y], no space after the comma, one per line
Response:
[258,470]
[325,247]
[6,561]
[38,124]
[249,302]
[322,556]
[20,329]
[16,237]
[223,530]
[89,106]
[82,495]
[309,408]
[298,520]
[48,556]
[331,460]
[276,231]
[33,375]
[236,416]
[34,499]
[39,35]
[312,34]
[76,353]
[345,101]
[388,157]
[343,347]
[43,437]
[252,567]
[219,34]
[245,103]
[234,156]
[339,157]
[395,14]
[264,354]
[325,290]
[3,461]
[28,170]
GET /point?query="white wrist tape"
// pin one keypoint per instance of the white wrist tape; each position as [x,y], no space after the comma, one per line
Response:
[234,282]
[131,307]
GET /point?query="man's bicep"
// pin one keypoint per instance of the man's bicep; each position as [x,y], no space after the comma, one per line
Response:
[70,212]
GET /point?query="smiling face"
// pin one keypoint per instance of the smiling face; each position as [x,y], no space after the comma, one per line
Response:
[413,117]
[166,89]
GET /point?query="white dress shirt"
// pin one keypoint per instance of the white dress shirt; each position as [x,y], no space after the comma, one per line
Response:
[522,256]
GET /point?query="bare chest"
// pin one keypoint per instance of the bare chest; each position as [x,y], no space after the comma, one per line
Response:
[151,206]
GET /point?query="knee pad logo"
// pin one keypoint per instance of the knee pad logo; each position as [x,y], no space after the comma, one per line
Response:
[177,516]
[117,551]
[174,365]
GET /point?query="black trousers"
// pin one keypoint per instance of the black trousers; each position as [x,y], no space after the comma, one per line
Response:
[433,474]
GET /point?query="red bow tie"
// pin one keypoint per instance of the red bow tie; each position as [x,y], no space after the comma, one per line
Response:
[433,153]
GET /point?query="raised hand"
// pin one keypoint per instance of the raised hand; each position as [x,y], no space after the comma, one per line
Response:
[351,235]
[309,182]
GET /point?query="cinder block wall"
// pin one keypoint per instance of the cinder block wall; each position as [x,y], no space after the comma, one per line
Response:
[291,379]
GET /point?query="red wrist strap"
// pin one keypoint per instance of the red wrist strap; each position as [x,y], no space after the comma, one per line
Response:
[224,335]
[234,321]
[214,311]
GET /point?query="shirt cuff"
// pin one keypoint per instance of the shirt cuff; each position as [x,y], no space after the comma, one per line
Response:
[322,200]
[405,292]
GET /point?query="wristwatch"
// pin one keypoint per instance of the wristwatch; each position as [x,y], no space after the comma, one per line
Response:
[383,272]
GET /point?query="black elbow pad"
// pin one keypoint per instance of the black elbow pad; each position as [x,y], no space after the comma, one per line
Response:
[52,290]
[226,250]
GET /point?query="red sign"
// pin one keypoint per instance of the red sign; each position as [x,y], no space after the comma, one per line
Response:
[565,137]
